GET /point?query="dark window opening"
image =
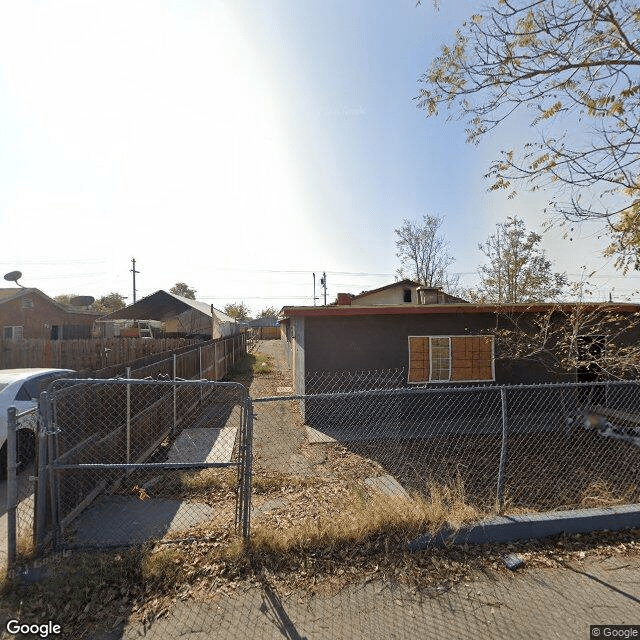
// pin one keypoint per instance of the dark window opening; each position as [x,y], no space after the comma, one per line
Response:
[407,295]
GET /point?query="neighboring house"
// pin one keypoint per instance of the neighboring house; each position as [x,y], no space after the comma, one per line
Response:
[180,315]
[29,313]
[400,293]
[438,343]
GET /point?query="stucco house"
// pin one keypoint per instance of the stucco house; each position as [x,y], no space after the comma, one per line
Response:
[404,292]
[433,343]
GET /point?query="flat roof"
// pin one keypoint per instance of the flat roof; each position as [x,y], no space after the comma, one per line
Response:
[435,309]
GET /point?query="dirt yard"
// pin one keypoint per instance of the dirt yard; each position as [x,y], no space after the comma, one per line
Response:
[545,470]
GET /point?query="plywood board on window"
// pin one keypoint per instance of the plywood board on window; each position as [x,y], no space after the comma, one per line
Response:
[418,359]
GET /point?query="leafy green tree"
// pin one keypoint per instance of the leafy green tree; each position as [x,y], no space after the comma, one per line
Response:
[109,303]
[517,268]
[184,290]
[106,304]
[571,67]
[238,310]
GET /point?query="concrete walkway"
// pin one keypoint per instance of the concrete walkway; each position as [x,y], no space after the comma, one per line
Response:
[558,603]
[277,427]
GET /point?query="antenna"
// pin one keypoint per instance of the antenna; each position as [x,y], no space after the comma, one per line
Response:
[14,276]
[133,270]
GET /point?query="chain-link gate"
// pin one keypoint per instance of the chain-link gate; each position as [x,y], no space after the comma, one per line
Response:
[123,462]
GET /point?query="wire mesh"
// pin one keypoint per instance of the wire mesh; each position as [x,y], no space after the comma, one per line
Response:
[130,461]
[509,449]
[341,481]
[26,464]
[17,491]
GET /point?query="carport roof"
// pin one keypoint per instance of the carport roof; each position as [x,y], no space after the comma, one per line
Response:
[163,305]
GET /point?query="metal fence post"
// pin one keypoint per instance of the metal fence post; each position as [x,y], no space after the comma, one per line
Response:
[175,396]
[41,484]
[12,487]
[248,470]
[52,454]
[128,375]
[503,452]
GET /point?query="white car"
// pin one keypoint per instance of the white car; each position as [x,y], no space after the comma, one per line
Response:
[20,388]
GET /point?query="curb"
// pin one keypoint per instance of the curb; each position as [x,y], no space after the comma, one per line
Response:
[533,526]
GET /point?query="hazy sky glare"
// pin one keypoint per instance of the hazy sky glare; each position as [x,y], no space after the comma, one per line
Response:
[237,148]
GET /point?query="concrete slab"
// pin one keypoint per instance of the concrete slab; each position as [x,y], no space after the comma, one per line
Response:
[316,437]
[558,603]
[387,485]
[203,445]
[124,520]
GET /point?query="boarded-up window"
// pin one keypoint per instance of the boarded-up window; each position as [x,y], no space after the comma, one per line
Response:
[451,358]
[472,358]
[418,359]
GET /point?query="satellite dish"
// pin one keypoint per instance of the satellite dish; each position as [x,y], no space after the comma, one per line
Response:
[14,276]
[82,301]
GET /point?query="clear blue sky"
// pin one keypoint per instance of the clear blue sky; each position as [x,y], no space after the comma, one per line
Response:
[238,147]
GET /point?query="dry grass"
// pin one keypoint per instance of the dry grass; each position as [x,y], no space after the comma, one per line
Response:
[308,521]
[545,471]
[599,494]
[208,480]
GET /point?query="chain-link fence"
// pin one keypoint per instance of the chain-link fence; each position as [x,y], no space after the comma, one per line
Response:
[17,504]
[510,449]
[210,361]
[339,484]
[130,461]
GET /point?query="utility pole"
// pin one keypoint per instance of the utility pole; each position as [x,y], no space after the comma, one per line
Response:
[133,262]
[323,282]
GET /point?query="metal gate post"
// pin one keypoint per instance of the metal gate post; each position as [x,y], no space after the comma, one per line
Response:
[247,470]
[200,374]
[12,487]
[41,479]
[52,455]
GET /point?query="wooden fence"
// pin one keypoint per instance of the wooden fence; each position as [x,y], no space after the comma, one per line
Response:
[265,333]
[85,355]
